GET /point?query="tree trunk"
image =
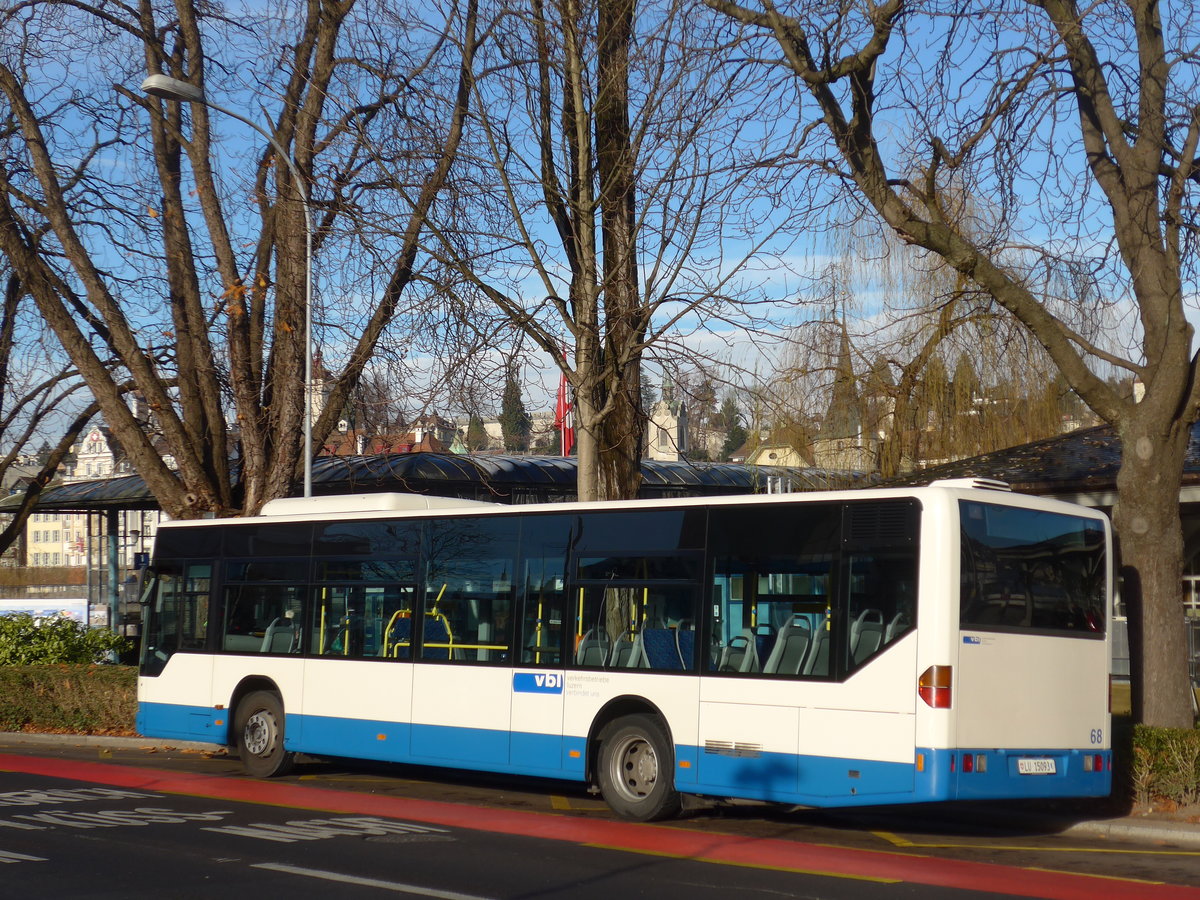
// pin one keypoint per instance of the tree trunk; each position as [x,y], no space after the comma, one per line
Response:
[624,326]
[619,462]
[1151,553]
[587,448]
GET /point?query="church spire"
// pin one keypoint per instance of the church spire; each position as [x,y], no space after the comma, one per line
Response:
[843,419]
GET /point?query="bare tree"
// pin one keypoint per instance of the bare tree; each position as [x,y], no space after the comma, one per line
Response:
[197,287]
[614,212]
[1077,128]
[38,391]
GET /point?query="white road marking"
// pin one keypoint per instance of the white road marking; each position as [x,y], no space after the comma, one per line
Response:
[9,856]
[396,886]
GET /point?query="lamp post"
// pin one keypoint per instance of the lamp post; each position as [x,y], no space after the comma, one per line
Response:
[173,89]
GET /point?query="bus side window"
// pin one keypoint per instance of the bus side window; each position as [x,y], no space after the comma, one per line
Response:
[180,612]
[544,606]
[772,609]
[469,577]
[882,600]
[362,608]
[262,618]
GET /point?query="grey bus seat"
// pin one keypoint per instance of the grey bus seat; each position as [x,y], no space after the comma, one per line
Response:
[791,647]
[866,634]
[740,654]
[593,649]
[817,661]
[280,636]
[896,627]
[623,651]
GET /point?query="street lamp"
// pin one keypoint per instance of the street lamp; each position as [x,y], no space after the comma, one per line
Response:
[173,89]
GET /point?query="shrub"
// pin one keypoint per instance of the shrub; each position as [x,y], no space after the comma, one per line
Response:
[1165,765]
[77,699]
[25,640]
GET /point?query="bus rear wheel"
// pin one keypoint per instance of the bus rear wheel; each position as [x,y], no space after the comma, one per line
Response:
[258,733]
[637,769]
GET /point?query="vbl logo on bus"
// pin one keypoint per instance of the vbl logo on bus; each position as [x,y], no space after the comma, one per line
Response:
[538,682]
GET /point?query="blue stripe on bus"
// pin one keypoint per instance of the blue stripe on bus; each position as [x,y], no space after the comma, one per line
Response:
[790,778]
[777,777]
[186,723]
[516,753]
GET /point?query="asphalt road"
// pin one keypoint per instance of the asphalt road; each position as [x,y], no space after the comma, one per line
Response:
[113,821]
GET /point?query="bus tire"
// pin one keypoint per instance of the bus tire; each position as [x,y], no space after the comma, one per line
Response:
[258,734]
[637,769]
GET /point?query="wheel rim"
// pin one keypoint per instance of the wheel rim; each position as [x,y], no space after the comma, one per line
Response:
[634,768]
[259,733]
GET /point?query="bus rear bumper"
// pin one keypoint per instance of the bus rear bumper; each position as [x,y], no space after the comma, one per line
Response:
[990,774]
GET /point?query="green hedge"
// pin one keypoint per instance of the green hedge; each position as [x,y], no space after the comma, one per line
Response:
[26,640]
[1164,766]
[80,699]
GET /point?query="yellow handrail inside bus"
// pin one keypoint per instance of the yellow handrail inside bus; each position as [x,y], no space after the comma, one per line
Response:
[436,601]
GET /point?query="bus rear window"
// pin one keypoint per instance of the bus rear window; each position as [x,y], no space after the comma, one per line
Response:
[1029,570]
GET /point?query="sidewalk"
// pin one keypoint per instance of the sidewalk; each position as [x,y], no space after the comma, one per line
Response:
[1156,828]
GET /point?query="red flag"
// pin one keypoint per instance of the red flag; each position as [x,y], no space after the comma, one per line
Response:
[564,416]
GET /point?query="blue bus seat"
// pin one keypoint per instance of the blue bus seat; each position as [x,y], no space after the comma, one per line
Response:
[437,631]
[685,641]
[399,637]
[660,650]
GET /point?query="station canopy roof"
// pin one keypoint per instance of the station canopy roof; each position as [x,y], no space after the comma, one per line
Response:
[1085,461]
[508,479]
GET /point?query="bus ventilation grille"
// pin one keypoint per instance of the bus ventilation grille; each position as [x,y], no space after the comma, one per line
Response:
[732,748]
[873,522]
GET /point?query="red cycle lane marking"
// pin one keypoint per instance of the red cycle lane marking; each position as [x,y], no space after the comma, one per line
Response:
[768,853]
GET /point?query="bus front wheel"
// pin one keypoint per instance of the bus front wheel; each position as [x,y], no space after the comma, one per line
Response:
[258,732]
[636,771]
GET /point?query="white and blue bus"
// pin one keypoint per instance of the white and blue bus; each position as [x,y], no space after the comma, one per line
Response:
[828,649]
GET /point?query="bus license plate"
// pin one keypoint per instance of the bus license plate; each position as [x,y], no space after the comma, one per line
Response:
[1036,767]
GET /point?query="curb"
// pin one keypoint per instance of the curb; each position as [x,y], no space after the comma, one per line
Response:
[1178,834]
[104,740]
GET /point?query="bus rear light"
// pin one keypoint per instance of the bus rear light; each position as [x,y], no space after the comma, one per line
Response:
[1093,763]
[934,686]
[974,762]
